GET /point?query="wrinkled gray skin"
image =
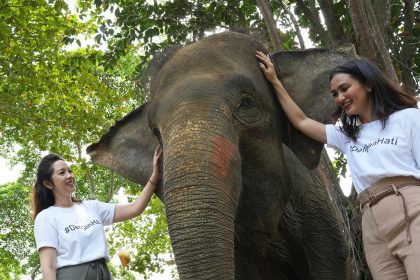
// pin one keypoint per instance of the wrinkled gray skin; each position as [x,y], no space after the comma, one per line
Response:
[241,199]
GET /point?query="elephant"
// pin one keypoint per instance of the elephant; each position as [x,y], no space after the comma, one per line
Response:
[242,194]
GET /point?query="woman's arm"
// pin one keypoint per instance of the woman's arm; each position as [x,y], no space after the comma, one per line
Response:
[296,116]
[48,259]
[125,212]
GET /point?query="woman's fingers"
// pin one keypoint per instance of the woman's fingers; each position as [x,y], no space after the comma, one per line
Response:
[266,66]
[263,57]
[158,150]
[157,156]
[265,61]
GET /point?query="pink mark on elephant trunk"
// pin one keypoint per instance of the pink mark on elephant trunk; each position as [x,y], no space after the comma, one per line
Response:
[223,154]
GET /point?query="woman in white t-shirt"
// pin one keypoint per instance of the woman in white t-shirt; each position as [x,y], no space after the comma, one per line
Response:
[379,131]
[69,233]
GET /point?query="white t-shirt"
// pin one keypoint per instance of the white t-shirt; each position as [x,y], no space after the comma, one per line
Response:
[378,153]
[77,232]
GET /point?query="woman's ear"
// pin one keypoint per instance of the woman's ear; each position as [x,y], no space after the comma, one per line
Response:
[47,184]
[367,87]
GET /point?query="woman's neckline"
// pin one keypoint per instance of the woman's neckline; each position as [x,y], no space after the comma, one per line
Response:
[370,122]
[65,206]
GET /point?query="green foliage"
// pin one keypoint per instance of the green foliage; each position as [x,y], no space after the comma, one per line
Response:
[146,237]
[16,234]
[340,164]
[54,98]
[158,24]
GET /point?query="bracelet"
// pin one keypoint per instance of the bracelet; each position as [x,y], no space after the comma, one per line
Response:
[154,184]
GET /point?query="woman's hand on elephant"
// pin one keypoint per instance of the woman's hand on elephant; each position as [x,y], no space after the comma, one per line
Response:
[127,211]
[156,165]
[267,67]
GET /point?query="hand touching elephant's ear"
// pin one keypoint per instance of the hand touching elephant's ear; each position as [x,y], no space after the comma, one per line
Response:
[305,75]
[128,147]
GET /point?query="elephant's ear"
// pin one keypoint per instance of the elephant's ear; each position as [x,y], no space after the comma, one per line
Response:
[305,75]
[128,147]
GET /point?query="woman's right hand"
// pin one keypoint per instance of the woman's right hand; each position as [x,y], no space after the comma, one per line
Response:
[267,67]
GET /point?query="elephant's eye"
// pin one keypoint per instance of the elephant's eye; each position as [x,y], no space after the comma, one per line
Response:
[156,131]
[246,102]
[248,110]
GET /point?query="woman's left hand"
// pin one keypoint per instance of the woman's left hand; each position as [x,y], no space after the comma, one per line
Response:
[128,211]
[157,160]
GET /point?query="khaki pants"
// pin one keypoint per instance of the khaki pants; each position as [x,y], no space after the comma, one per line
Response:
[388,253]
[94,270]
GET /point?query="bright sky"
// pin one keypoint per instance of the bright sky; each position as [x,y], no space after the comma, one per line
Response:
[8,174]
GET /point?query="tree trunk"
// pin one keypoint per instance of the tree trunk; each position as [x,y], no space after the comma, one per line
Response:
[111,187]
[334,29]
[369,36]
[347,210]
[270,24]
[312,15]
[382,9]
[383,57]
[295,24]
[360,25]
[405,47]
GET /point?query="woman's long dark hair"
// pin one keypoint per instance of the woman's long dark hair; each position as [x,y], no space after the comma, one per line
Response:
[386,98]
[42,197]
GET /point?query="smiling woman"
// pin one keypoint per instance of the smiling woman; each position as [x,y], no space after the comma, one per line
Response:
[379,132]
[69,232]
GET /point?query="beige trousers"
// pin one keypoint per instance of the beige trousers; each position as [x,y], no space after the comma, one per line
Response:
[389,254]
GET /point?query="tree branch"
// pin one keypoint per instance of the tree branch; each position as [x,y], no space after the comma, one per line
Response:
[111,188]
[312,14]
[382,50]
[334,28]
[270,24]
[295,24]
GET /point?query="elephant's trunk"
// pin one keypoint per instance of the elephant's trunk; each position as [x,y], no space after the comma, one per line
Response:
[201,192]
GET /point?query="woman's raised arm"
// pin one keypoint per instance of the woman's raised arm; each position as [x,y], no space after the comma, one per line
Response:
[128,211]
[296,116]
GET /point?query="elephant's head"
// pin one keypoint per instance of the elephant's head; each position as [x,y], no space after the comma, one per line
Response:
[222,132]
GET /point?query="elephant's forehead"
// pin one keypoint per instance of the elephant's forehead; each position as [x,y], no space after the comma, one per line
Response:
[206,84]
[196,118]
[212,56]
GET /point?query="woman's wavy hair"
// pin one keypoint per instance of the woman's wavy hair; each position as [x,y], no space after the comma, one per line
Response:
[386,97]
[42,197]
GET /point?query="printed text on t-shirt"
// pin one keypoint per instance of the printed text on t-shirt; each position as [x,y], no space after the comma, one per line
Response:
[379,141]
[83,227]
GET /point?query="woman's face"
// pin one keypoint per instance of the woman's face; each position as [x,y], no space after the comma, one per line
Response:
[352,96]
[62,179]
